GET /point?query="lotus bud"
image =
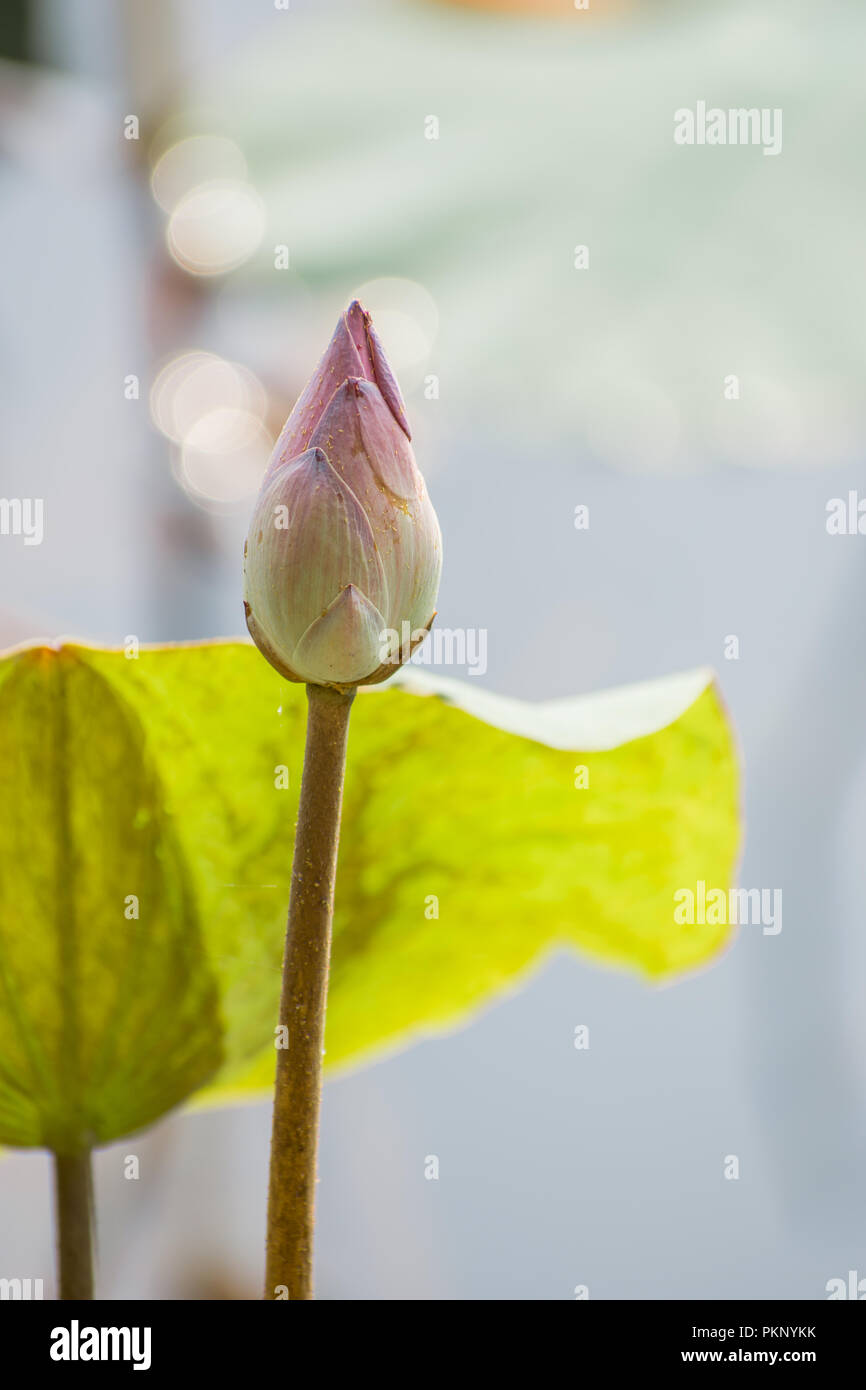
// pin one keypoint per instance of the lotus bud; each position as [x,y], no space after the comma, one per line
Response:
[344,552]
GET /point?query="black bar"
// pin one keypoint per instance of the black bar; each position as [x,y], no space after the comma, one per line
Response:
[602,1336]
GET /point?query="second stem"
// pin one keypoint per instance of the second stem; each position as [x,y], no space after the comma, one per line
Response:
[73,1200]
[294,1136]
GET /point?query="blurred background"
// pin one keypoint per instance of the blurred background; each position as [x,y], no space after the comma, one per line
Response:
[190,193]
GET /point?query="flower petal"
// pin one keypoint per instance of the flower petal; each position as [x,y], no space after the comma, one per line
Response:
[343,645]
[339,361]
[309,538]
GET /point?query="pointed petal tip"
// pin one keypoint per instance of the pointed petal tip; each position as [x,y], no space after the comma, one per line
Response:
[357,388]
[342,644]
[320,463]
[314,457]
[359,322]
[386,380]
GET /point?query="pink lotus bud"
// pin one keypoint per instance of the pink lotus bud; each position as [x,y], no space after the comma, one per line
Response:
[344,551]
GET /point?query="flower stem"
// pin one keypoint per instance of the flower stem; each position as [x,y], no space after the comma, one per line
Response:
[294,1136]
[73,1196]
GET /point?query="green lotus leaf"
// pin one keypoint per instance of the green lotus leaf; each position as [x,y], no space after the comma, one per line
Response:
[108,1005]
[480,835]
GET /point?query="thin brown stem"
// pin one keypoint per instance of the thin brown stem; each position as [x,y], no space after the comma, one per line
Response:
[294,1137]
[73,1197]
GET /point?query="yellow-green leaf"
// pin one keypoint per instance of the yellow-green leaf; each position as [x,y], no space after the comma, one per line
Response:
[479,835]
[456,801]
[108,1007]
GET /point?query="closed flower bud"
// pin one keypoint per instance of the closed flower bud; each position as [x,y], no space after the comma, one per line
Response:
[344,552]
